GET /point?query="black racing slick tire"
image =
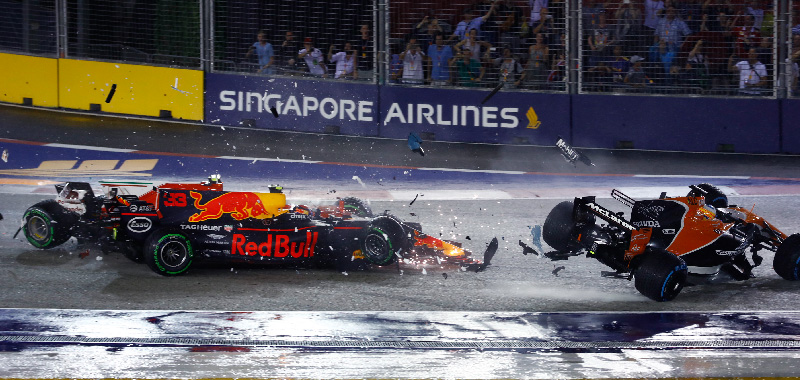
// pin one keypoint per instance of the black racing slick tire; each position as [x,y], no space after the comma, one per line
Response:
[558,227]
[357,207]
[787,258]
[660,275]
[168,253]
[714,196]
[45,225]
[384,240]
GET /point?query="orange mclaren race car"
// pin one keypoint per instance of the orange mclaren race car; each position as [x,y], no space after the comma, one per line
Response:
[172,225]
[671,241]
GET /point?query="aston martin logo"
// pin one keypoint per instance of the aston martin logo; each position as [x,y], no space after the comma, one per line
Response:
[69,168]
[533,119]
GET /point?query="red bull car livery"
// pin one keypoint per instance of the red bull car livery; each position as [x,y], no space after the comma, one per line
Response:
[175,224]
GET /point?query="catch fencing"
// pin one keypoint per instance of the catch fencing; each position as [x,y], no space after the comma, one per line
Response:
[644,47]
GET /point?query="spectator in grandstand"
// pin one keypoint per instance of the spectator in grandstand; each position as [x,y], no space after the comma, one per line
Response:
[671,29]
[412,57]
[545,25]
[468,70]
[345,60]
[661,53]
[288,53]
[652,12]
[509,21]
[474,45]
[628,21]
[536,10]
[314,58]
[538,67]
[439,57]
[558,72]
[509,67]
[697,67]
[364,46]
[265,53]
[600,39]
[636,77]
[620,66]
[753,78]
[426,30]
[469,23]
[755,10]
[746,34]
[395,64]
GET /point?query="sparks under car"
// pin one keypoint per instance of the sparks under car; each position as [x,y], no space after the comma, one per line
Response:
[172,225]
[671,241]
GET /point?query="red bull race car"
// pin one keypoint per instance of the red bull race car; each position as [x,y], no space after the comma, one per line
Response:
[172,225]
[671,241]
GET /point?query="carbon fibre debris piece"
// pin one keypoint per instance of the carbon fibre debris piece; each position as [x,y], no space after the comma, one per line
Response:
[570,154]
[111,93]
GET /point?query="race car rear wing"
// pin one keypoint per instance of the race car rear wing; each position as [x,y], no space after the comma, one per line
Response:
[588,204]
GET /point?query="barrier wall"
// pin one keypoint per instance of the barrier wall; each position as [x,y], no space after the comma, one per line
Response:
[683,124]
[302,104]
[29,77]
[790,122]
[507,117]
[140,90]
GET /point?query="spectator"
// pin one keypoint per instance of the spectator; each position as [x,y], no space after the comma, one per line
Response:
[469,71]
[599,41]
[661,52]
[636,77]
[620,66]
[412,57]
[395,65]
[265,53]
[364,47]
[509,69]
[439,56]
[288,53]
[314,58]
[754,10]
[752,74]
[509,26]
[474,45]
[545,25]
[537,68]
[628,20]
[346,62]
[671,29]
[536,9]
[746,34]
[558,74]
[426,30]
[697,67]
[469,23]
[652,11]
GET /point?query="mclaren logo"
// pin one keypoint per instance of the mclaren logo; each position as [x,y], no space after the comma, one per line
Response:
[611,217]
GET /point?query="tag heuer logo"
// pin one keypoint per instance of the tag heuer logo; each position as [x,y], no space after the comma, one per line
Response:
[228,228]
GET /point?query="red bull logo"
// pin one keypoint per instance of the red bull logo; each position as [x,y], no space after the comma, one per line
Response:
[275,246]
[240,205]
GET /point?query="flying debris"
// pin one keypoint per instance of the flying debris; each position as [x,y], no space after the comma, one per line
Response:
[415,143]
[5,155]
[526,249]
[355,177]
[111,93]
[536,233]
[84,254]
[444,275]
[274,111]
[557,269]
[572,155]
[488,255]
[415,199]
[499,86]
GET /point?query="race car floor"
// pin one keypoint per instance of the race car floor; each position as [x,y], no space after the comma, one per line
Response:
[522,318]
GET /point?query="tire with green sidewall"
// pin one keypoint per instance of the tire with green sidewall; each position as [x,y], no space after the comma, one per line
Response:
[155,248]
[357,207]
[384,239]
[56,223]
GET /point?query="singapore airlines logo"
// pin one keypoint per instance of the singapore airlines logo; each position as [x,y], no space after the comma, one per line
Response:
[533,119]
[67,168]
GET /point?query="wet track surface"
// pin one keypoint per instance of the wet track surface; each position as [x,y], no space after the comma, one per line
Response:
[522,318]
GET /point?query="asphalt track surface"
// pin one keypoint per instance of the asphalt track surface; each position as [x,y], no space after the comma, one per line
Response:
[467,192]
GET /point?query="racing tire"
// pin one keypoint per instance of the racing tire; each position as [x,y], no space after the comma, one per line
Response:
[384,239]
[46,225]
[787,258]
[660,275]
[357,207]
[558,227]
[714,196]
[168,253]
